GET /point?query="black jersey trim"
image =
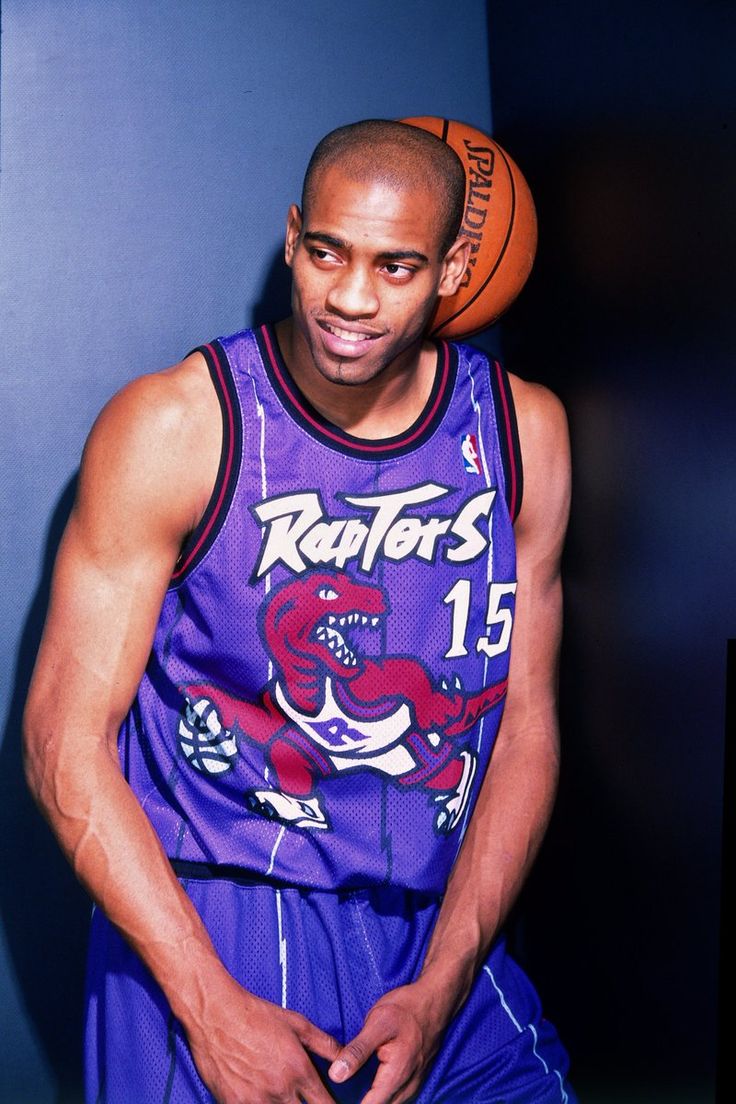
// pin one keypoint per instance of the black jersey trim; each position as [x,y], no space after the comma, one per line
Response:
[508,437]
[202,538]
[336,438]
[192,870]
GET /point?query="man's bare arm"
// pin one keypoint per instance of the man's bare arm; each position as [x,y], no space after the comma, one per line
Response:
[404,1028]
[140,493]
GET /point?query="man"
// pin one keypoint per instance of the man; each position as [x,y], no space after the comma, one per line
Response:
[274,668]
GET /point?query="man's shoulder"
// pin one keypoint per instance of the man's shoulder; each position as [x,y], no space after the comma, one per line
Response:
[158,439]
[160,402]
[545,446]
[540,413]
[536,406]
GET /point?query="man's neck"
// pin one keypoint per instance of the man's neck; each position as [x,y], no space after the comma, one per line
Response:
[386,406]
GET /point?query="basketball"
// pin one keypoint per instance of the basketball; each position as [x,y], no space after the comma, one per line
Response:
[501,223]
[208,746]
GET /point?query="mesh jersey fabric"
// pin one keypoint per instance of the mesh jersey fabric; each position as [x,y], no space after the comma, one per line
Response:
[319,709]
[329,668]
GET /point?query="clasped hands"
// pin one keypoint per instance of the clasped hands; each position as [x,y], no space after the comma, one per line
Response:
[263,1057]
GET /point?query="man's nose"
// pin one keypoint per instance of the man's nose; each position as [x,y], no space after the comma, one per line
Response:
[352,293]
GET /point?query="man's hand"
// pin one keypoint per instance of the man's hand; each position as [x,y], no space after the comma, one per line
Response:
[403,1029]
[254,1052]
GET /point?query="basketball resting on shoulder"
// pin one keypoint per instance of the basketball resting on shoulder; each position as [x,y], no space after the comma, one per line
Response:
[375,256]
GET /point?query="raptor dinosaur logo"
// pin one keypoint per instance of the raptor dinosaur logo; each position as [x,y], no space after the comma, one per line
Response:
[337,704]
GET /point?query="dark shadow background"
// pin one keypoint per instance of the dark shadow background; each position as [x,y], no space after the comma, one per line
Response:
[622,116]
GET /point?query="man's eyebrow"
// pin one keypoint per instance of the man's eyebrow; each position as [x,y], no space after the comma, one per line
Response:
[326,239]
[404,255]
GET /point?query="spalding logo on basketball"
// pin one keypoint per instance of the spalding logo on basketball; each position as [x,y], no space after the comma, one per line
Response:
[500,222]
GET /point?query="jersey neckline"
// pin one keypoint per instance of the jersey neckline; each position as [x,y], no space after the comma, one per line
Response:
[302,411]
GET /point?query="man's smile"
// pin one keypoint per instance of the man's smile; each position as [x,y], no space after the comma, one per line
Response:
[347,335]
[346,341]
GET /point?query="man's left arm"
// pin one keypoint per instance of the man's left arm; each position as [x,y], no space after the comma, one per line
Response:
[404,1028]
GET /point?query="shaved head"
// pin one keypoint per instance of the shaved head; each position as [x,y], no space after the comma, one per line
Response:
[396,155]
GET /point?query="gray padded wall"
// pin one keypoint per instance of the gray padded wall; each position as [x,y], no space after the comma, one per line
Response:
[149,153]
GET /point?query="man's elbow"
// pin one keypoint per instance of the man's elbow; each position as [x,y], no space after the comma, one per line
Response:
[38,754]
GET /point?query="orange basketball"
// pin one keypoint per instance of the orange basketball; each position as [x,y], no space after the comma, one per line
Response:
[500,222]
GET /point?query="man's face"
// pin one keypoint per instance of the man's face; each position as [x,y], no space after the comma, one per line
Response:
[366,274]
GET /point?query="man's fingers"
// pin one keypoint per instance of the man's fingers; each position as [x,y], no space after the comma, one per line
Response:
[317,1040]
[392,1084]
[356,1053]
[314,1092]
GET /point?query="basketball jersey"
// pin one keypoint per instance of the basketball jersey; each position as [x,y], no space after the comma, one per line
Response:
[329,668]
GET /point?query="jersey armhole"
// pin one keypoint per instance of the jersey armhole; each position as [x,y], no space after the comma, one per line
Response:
[202,538]
[508,438]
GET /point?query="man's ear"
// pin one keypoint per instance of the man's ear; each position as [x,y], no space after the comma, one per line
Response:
[293,230]
[454,265]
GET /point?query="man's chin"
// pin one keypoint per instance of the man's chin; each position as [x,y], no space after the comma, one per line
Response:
[346,373]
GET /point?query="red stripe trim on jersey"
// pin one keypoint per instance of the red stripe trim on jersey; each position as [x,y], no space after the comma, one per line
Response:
[511,453]
[324,429]
[223,480]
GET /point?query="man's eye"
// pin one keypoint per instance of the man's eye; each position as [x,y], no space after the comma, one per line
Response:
[318,254]
[393,268]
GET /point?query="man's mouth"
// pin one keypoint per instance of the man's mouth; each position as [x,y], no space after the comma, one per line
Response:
[348,335]
[342,341]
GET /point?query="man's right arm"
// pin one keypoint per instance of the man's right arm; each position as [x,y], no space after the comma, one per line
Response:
[141,490]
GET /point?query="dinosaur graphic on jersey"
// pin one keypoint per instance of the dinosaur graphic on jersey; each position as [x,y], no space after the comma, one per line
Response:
[331,708]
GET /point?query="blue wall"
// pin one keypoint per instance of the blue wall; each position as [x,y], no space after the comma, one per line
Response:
[149,153]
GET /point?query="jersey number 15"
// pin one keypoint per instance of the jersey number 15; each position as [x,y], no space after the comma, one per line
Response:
[499,619]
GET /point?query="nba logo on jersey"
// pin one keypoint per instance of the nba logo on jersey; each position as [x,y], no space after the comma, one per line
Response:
[469,449]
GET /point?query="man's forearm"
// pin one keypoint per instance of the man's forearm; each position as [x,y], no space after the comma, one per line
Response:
[116,854]
[119,859]
[502,840]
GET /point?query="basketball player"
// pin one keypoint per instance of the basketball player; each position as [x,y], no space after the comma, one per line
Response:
[276,663]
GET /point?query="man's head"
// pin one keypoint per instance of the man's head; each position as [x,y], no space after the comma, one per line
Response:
[373,247]
[398,155]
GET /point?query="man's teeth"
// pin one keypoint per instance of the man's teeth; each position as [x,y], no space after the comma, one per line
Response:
[349,335]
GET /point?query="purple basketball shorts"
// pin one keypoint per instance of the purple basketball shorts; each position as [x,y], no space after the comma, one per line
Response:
[330,956]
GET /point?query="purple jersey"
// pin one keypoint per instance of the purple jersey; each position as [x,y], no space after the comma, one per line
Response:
[329,668]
